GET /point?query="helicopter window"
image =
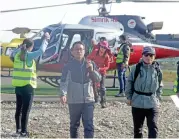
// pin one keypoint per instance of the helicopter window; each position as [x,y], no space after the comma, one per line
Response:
[9,50]
[65,38]
[55,36]
[111,37]
[49,52]
[1,50]
[76,37]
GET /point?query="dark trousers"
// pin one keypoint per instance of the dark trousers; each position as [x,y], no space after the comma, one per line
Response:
[121,78]
[178,84]
[84,110]
[103,89]
[24,98]
[138,120]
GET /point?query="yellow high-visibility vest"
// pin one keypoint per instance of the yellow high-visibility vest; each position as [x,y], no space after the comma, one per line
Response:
[22,74]
[175,87]
[120,55]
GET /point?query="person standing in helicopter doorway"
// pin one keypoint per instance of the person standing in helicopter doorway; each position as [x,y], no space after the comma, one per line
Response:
[122,62]
[24,79]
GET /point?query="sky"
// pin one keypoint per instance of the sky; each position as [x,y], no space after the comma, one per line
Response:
[38,19]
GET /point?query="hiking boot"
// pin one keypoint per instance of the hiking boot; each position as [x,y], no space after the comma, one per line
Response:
[120,95]
[103,105]
[96,99]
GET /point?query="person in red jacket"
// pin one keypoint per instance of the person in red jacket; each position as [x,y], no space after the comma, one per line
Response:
[102,60]
[96,46]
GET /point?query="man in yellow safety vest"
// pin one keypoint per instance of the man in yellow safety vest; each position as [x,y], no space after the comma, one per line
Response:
[122,62]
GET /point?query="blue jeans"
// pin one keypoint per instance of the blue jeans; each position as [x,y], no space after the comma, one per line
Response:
[84,110]
[121,78]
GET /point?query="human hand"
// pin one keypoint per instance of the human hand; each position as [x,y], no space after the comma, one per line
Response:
[47,36]
[93,42]
[89,65]
[63,99]
[129,102]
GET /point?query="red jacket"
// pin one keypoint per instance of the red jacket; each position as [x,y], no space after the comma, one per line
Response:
[102,62]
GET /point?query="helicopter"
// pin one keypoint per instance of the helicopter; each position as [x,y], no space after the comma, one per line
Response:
[62,36]
[7,48]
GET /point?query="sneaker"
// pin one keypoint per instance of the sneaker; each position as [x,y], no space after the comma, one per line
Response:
[24,135]
[120,95]
[17,134]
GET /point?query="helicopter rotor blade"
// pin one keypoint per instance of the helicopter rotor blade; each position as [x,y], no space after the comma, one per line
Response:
[32,8]
[151,1]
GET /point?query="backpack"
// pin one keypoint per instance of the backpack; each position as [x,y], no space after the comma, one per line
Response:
[137,71]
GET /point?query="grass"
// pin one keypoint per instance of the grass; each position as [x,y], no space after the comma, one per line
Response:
[168,75]
[48,90]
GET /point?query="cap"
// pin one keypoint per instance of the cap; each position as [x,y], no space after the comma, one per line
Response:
[148,50]
[104,44]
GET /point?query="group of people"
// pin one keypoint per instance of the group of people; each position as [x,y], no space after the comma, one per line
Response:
[82,76]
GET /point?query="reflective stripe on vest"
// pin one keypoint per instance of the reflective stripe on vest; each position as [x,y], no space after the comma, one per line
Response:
[120,55]
[22,74]
[175,87]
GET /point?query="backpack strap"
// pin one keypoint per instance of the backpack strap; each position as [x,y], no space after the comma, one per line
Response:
[136,73]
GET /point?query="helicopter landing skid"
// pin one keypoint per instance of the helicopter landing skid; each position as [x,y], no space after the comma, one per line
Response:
[51,80]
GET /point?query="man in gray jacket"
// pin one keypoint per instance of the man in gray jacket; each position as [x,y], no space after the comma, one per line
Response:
[143,92]
[76,88]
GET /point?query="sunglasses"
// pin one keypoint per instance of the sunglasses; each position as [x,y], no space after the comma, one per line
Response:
[103,47]
[146,55]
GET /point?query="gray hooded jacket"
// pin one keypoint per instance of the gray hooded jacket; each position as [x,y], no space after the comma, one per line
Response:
[148,80]
[76,82]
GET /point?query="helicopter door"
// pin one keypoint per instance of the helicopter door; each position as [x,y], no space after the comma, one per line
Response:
[52,51]
[75,35]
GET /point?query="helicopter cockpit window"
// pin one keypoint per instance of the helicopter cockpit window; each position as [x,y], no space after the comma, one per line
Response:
[55,36]
[65,38]
[53,46]
[1,50]
[9,51]
[76,37]
[49,52]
